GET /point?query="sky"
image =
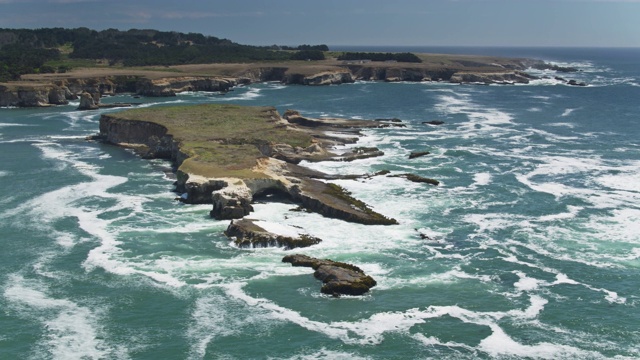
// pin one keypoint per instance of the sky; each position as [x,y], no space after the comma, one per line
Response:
[597,23]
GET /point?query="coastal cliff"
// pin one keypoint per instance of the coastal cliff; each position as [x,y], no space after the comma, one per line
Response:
[40,95]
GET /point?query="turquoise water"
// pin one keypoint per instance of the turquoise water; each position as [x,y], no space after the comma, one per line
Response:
[533,247]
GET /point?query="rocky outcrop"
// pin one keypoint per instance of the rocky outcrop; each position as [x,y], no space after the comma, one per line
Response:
[323,78]
[576,83]
[515,77]
[247,234]
[433,122]
[416,154]
[232,197]
[29,95]
[232,202]
[359,153]
[334,201]
[172,86]
[88,102]
[418,179]
[338,278]
[263,74]
[150,140]
[393,74]
[59,95]
[546,66]
[102,85]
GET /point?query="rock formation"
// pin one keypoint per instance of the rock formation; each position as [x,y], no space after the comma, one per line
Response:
[87,102]
[322,78]
[514,77]
[172,86]
[27,95]
[231,197]
[418,179]
[416,154]
[246,233]
[433,122]
[338,278]
[576,83]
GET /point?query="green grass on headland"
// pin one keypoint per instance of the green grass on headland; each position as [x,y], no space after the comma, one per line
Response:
[222,140]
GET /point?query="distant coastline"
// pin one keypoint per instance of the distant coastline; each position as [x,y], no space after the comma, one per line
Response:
[54,66]
[41,90]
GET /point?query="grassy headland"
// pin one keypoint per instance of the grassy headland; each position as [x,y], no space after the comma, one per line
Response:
[222,140]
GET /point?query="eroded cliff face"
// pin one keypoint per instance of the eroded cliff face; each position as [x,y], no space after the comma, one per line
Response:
[322,78]
[382,73]
[172,86]
[59,92]
[122,131]
[33,96]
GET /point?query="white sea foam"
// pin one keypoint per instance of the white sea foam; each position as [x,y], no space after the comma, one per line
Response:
[362,239]
[372,330]
[548,81]
[526,283]
[455,276]
[567,112]
[619,227]
[431,342]
[210,319]
[499,344]
[3,125]
[68,202]
[563,124]
[278,229]
[555,137]
[250,94]
[622,181]
[323,354]
[482,179]
[483,120]
[571,214]
[70,331]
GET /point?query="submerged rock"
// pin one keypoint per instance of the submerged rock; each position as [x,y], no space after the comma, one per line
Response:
[433,122]
[416,154]
[575,83]
[418,179]
[338,278]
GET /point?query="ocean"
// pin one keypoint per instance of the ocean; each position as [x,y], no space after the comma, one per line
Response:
[528,248]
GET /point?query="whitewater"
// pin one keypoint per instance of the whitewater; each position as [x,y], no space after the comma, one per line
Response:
[528,248]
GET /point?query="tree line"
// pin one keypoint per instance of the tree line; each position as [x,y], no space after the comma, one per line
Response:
[399,57]
[24,51]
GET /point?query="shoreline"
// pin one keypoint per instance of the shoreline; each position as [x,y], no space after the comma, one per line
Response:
[58,89]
